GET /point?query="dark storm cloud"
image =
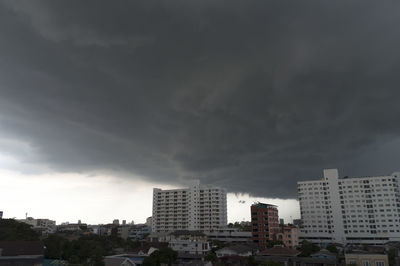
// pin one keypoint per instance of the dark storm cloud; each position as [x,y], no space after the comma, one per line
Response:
[249,95]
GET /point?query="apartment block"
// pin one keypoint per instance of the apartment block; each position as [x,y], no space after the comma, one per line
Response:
[289,235]
[198,207]
[265,223]
[362,210]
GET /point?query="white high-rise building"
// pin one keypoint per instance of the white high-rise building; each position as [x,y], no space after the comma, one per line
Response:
[350,210]
[194,208]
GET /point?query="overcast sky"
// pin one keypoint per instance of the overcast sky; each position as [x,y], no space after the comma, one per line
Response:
[100,101]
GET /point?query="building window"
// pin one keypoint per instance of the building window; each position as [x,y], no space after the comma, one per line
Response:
[380,263]
[366,263]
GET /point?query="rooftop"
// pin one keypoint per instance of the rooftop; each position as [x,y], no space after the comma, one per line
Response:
[280,251]
[264,205]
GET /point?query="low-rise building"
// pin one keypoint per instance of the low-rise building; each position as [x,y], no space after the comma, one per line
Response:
[235,250]
[289,235]
[231,235]
[191,242]
[71,227]
[139,231]
[365,258]
[123,231]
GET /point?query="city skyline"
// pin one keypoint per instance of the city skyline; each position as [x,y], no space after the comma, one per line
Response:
[238,205]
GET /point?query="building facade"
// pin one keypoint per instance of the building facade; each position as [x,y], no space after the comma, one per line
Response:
[231,235]
[289,235]
[366,259]
[265,224]
[194,208]
[190,242]
[363,210]
[38,222]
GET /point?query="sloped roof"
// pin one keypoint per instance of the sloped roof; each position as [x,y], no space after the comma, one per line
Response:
[324,252]
[237,248]
[280,251]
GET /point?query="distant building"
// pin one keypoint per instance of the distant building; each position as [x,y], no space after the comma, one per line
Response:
[1,214]
[149,221]
[123,222]
[38,222]
[139,231]
[115,222]
[297,222]
[264,219]
[194,208]
[281,221]
[71,227]
[41,226]
[123,232]
[362,210]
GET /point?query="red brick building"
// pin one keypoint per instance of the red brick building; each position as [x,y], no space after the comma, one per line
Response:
[265,223]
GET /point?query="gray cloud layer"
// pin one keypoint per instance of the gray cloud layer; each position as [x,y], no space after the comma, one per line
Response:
[249,95]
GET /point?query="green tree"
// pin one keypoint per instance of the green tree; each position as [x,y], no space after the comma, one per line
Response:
[55,246]
[12,230]
[307,248]
[332,248]
[392,256]
[251,261]
[211,257]
[216,244]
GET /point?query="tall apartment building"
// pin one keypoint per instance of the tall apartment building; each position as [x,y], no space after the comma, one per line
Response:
[265,223]
[195,208]
[350,210]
